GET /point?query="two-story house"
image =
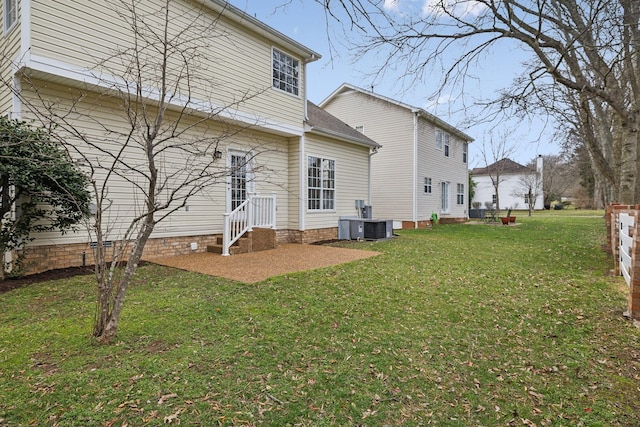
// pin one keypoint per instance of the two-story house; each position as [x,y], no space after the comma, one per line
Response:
[422,169]
[519,186]
[236,81]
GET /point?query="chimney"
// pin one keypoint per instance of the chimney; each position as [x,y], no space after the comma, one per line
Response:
[539,164]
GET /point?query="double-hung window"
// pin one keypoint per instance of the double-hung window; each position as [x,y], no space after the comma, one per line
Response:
[438,139]
[446,144]
[442,141]
[427,185]
[465,152]
[321,184]
[10,14]
[286,72]
[460,194]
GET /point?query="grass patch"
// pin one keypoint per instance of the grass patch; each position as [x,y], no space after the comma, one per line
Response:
[461,325]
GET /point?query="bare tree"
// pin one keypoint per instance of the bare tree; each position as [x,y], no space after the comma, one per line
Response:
[589,49]
[495,153]
[157,140]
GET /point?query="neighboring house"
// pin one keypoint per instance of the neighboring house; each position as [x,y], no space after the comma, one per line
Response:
[314,164]
[518,185]
[422,168]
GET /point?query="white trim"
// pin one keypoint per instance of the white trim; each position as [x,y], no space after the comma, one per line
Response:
[414,198]
[253,24]
[7,29]
[302,174]
[106,81]
[250,176]
[335,185]
[25,27]
[298,78]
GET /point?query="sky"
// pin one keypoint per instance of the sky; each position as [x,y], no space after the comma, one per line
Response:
[304,21]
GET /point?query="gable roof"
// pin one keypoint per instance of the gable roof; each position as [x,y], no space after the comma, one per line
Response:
[503,166]
[323,123]
[259,27]
[346,88]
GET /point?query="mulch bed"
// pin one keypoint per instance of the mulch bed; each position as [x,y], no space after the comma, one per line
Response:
[61,273]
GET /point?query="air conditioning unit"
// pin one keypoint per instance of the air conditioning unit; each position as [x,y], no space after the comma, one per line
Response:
[378,229]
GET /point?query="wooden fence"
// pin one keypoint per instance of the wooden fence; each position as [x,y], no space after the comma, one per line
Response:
[623,235]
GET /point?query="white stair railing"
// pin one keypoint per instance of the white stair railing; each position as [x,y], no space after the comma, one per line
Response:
[256,211]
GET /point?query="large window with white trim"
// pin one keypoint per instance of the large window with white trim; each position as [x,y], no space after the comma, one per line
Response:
[286,72]
[10,14]
[460,194]
[427,185]
[321,184]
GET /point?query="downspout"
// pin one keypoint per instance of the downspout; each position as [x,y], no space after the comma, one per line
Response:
[16,102]
[25,30]
[415,168]
[301,181]
[301,173]
[372,151]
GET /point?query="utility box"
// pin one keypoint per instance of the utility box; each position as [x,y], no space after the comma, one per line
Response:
[344,227]
[356,229]
[367,212]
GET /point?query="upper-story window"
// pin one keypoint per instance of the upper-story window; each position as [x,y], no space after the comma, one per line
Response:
[446,144]
[465,152]
[10,14]
[286,72]
[442,140]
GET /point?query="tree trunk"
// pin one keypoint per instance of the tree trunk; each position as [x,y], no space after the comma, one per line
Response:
[113,293]
[628,161]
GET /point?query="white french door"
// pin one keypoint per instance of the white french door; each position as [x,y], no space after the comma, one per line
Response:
[444,197]
[240,179]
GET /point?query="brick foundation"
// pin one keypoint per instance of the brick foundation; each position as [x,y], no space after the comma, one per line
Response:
[410,225]
[312,236]
[49,257]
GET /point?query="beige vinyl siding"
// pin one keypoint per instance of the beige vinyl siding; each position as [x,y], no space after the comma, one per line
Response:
[428,167]
[392,167]
[9,52]
[351,178]
[235,71]
[434,164]
[204,214]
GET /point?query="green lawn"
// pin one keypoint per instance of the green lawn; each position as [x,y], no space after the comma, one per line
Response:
[462,325]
